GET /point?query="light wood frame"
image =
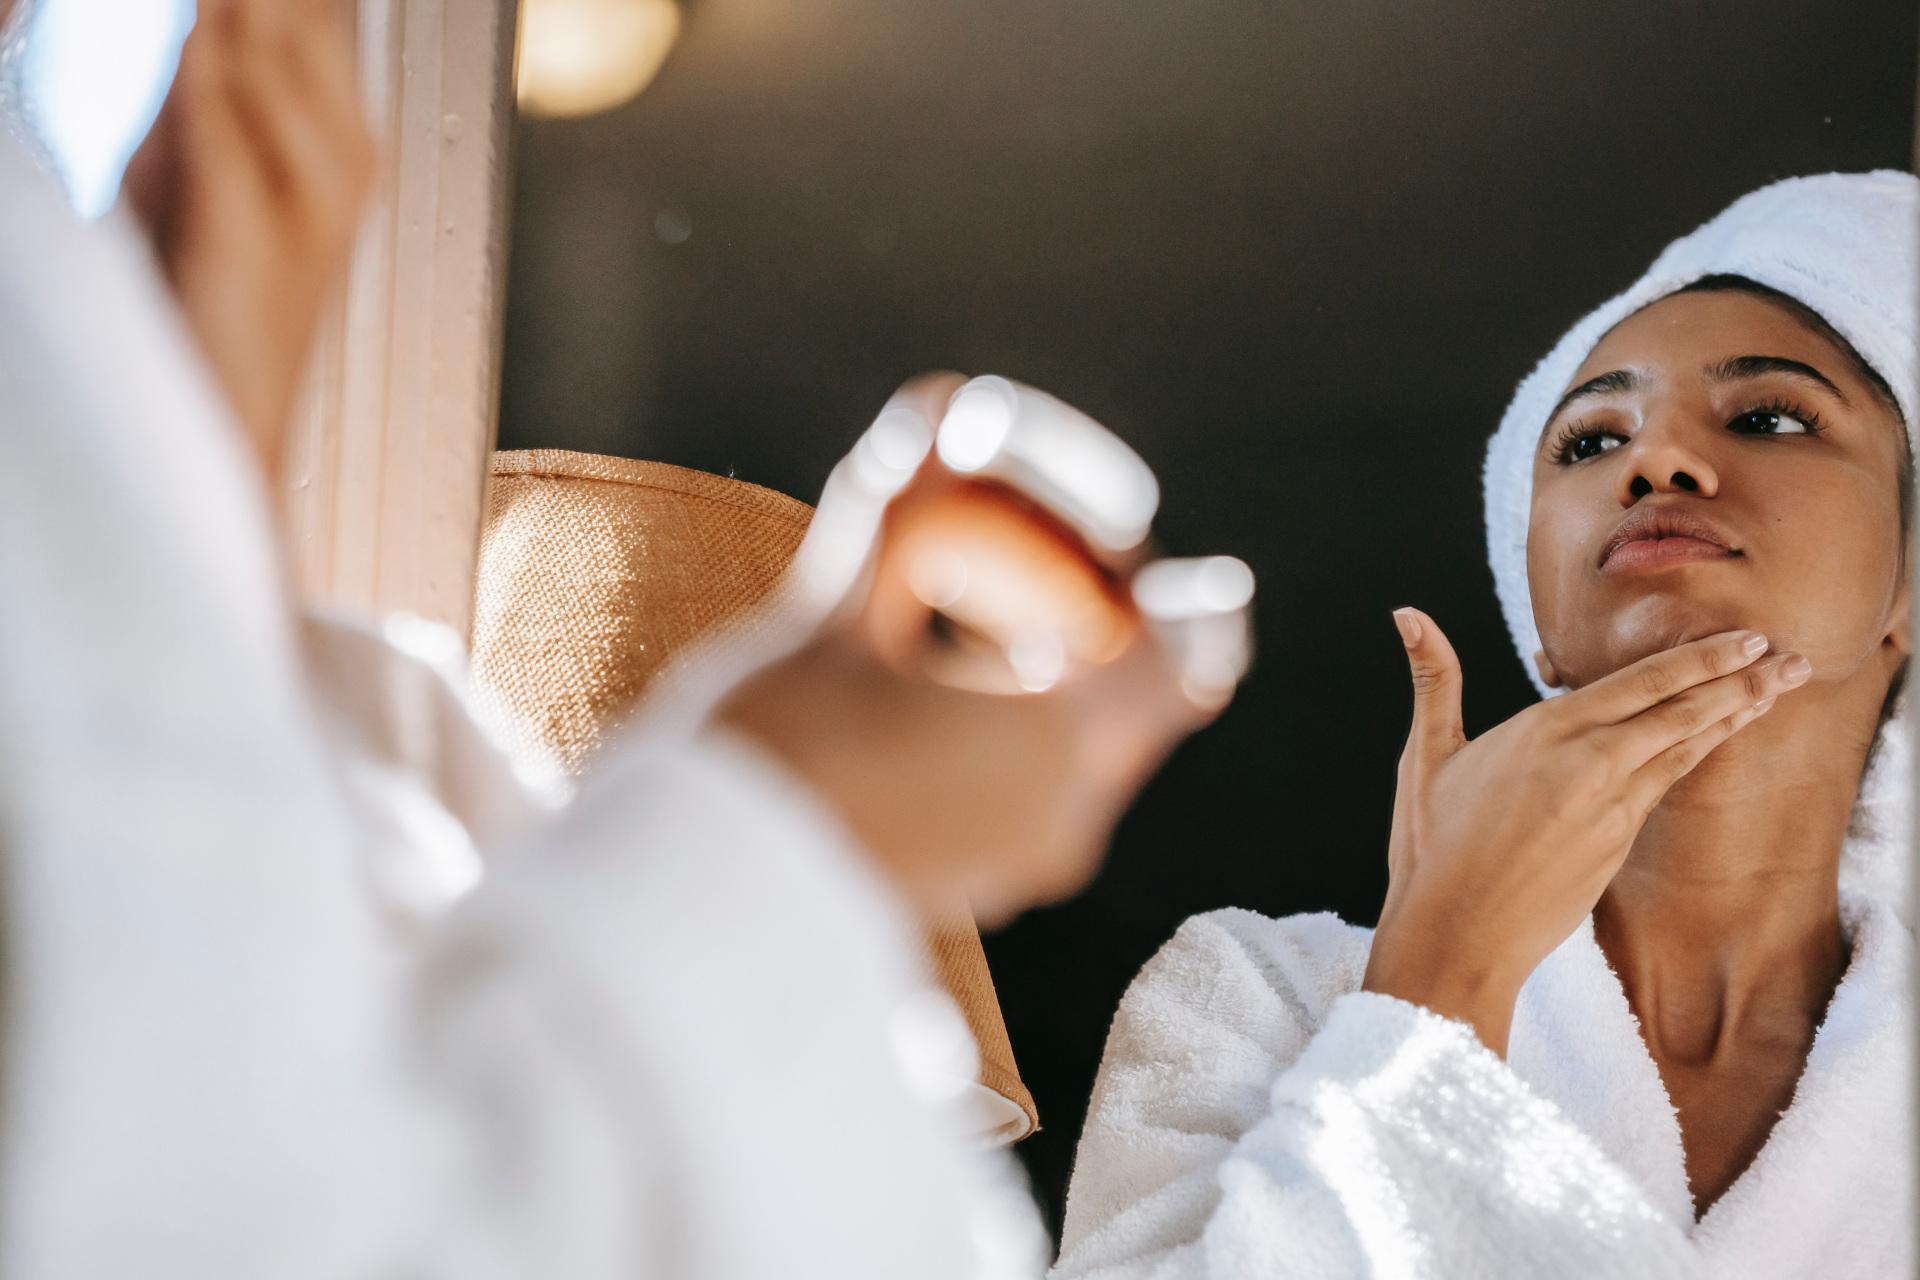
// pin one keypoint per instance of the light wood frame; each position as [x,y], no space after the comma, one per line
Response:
[387,463]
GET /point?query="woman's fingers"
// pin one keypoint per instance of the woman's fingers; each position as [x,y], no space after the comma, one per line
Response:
[1437,729]
[928,394]
[1632,689]
[1701,709]
[1652,780]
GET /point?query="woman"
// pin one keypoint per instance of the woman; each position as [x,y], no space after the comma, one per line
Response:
[1637,1003]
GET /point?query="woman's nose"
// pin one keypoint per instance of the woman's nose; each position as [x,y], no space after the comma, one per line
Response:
[1659,463]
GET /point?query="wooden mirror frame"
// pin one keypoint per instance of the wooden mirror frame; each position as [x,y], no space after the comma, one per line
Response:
[387,462]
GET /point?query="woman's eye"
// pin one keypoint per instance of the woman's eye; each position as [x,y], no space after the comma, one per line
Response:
[1591,445]
[1767,422]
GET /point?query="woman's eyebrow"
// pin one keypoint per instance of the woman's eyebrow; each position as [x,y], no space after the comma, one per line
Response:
[1617,380]
[1742,367]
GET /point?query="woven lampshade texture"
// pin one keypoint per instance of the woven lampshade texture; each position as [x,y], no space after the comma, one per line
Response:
[596,572]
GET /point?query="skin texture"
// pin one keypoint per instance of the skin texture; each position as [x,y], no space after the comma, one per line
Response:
[962,787]
[250,186]
[1700,822]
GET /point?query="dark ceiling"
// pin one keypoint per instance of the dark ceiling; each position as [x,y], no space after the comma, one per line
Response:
[1298,254]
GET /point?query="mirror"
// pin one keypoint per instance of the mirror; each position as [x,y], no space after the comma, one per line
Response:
[1297,255]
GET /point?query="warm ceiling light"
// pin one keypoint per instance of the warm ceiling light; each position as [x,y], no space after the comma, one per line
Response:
[577,57]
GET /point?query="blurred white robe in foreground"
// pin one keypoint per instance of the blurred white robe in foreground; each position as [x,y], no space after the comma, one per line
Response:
[684,1033]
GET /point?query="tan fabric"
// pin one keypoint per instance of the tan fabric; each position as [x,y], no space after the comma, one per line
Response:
[595,572]
[962,966]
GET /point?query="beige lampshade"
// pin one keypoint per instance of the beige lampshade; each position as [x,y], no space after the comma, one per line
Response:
[594,573]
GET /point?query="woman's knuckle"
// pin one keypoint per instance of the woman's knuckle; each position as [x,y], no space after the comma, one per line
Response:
[1687,715]
[1674,764]
[1655,680]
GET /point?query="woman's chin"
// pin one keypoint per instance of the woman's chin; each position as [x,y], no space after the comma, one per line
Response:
[1601,650]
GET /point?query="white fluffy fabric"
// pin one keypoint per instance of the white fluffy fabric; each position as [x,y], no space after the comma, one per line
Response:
[695,1041]
[1258,1116]
[1848,246]
[204,1068]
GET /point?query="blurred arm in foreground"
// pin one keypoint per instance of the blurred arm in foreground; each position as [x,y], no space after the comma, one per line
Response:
[684,1029]
[726,912]
[250,185]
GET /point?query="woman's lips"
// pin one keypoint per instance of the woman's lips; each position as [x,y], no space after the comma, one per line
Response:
[1659,536]
[1657,553]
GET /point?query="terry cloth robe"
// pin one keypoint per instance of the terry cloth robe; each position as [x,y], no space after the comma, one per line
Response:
[1257,1115]
[683,1033]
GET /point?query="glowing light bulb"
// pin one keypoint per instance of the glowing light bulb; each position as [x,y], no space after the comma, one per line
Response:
[577,57]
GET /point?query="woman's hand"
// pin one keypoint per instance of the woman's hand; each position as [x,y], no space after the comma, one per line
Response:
[251,185]
[904,717]
[1502,845]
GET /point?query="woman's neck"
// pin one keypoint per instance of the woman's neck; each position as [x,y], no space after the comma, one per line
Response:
[1727,910]
[1724,926]
[1713,957]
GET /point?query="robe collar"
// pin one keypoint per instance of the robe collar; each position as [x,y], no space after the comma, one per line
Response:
[1830,1192]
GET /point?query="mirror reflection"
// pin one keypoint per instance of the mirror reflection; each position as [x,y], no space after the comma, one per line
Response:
[1300,258]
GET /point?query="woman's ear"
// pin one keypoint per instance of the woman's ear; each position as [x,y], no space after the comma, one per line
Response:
[1548,676]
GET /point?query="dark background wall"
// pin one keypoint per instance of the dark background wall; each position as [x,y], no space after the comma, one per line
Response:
[1297,253]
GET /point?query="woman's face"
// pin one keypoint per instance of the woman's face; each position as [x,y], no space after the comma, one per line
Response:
[1716,464]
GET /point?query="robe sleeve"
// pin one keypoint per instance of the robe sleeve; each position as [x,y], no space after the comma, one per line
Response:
[1257,1115]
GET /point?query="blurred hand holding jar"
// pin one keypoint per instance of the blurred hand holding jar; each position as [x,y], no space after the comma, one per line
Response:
[1005,660]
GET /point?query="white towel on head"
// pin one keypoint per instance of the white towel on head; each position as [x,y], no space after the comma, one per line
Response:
[1848,246]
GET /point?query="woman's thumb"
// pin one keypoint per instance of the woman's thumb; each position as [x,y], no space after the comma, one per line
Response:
[1436,683]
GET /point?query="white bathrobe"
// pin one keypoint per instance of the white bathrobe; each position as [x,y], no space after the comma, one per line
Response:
[684,1033]
[703,1042]
[1257,1115]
